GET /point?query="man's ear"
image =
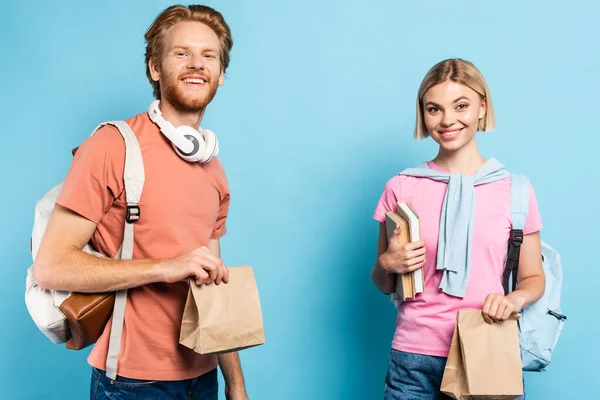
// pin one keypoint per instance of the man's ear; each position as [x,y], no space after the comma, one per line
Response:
[221,78]
[154,72]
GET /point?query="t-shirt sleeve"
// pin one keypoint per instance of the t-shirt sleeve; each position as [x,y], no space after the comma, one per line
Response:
[220,228]
[221,224]
[534,220]
[388,200]
[95,178]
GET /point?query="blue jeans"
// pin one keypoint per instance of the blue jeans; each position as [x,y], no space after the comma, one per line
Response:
[415,377]
[205,387]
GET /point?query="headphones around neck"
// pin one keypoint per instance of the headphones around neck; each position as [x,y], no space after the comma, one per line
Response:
[190,144]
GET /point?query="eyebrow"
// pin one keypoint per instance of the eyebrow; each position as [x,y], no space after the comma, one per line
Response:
[455,101]
[184,47]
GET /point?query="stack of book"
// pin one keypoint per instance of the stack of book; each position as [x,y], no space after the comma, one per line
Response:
[407,285]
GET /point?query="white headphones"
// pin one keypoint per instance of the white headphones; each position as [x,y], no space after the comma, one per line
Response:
[190,144]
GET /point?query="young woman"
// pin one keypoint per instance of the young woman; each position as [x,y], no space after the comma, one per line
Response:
[465,227]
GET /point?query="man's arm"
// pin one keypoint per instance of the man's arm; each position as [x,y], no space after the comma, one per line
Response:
[60,263]
[229,362]
[231,368]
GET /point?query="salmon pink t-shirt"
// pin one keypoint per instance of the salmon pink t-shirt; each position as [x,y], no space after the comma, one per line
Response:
[425,325]
[182,206]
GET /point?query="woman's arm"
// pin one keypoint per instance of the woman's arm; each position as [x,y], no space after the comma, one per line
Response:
[531,278]
[394,258]
[530,287]
[385,281]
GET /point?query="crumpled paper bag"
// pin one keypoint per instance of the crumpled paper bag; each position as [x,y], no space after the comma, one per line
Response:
[484,361]
[223,318]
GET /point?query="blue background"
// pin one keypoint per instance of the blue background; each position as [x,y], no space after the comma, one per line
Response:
[316,114]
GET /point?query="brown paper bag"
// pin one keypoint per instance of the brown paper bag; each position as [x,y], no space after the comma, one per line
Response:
[484,361]
[223,318]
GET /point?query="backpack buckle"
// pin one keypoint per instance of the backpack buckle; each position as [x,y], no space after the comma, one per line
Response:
[133,213]
[516,237]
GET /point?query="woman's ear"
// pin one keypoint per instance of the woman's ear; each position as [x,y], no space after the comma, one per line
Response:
[483,108]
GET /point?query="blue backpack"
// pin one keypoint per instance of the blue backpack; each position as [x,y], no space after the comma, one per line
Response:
[541,323]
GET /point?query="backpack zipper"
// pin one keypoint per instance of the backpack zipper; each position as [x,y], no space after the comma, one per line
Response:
[557,315]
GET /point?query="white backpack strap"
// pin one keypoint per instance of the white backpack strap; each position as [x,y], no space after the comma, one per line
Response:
[133,177]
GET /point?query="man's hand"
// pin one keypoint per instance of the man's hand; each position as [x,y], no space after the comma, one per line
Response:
[236,393]
[199,264]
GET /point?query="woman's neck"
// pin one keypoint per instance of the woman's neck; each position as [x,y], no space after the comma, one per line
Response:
[464,161]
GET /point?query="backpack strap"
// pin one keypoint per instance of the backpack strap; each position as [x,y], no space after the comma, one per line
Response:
[133,178]
[519,208]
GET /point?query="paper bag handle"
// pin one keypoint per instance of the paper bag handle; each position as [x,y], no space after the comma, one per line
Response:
[515,316]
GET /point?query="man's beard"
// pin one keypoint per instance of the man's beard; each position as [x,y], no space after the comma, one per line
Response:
[186,104]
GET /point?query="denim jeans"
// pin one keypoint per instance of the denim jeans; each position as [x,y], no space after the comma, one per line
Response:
[415,377]
[204,387]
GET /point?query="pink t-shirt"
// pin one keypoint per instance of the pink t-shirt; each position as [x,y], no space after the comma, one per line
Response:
[425,325]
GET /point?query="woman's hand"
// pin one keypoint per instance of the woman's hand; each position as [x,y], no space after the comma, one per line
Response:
[499,308]
[402,258]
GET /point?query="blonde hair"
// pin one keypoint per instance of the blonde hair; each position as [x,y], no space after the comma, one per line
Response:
[459,71]
[178,13]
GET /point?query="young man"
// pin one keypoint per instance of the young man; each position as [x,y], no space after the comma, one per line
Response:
[184,207]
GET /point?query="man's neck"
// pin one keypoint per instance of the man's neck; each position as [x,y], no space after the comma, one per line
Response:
[178,118]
